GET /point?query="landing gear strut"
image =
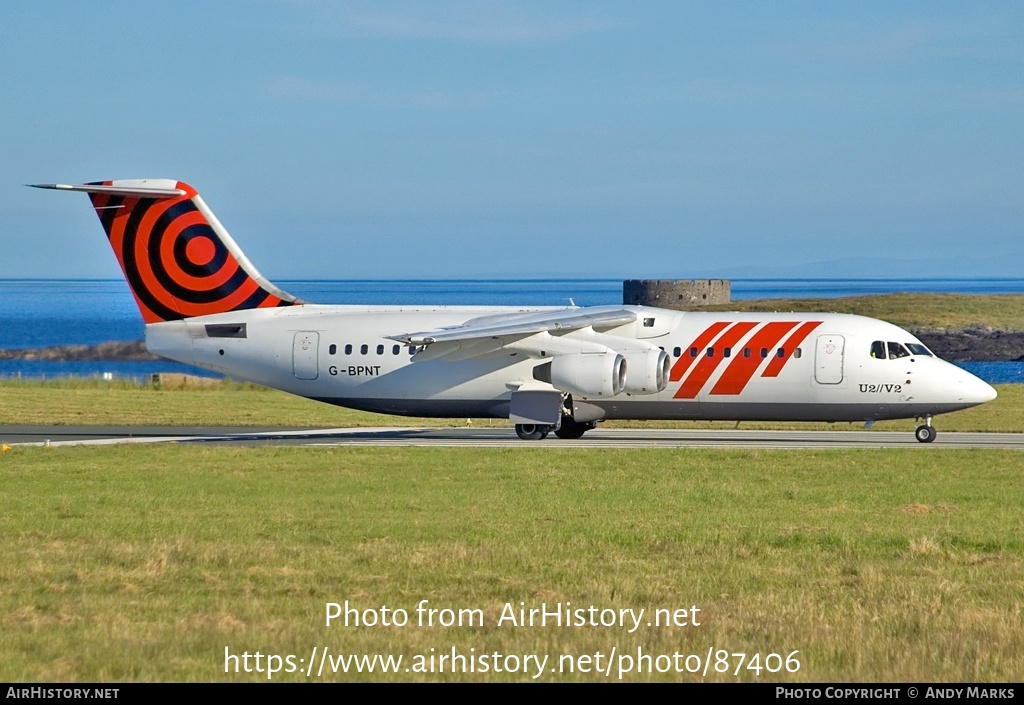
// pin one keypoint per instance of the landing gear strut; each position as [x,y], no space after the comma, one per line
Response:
[925,433]
[532,431]
[567,427]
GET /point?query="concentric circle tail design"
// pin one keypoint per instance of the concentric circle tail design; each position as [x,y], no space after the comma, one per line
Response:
[177,262]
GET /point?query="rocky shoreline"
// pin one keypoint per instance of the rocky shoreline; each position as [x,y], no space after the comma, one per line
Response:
[974,344]
[111,351]
[965,345]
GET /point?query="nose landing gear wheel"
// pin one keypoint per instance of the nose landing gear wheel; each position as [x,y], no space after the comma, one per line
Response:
[532,432]
[925,434]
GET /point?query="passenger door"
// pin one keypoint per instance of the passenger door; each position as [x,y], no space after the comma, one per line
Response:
[304,354]
[828,359]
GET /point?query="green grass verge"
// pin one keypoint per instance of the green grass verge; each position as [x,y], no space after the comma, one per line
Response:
[95,402]
[144,563]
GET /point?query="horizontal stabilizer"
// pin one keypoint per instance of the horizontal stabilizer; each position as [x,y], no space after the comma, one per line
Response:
[140,188]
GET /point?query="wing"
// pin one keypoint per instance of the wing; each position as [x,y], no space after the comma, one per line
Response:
[584,353]
[525,332]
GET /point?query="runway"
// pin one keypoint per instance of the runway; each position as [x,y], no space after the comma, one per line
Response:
[58,436]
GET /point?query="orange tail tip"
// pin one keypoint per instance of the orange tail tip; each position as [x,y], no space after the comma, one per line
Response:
[178,259]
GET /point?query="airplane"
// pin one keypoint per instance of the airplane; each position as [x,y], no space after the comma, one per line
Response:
[555,369]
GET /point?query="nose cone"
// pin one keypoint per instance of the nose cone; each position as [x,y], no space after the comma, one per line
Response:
[976,391]
[989,392]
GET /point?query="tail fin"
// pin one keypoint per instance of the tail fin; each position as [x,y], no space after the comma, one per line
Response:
[178,259]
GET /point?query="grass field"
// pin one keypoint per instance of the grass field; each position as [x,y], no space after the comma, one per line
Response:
[144,563]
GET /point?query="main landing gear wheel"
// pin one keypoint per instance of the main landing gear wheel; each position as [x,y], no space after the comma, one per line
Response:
[572,429]
[532,432]
[925,434]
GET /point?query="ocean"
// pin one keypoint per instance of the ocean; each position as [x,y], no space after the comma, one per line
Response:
[40,312]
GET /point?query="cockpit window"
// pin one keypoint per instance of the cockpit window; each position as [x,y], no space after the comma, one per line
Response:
[919,349]
[896,350]
[878,349]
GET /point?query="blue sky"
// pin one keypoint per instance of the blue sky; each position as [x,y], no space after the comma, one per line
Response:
[528,139]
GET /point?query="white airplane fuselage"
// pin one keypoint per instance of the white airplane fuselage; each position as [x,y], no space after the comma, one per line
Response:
[725,366]
[558,370]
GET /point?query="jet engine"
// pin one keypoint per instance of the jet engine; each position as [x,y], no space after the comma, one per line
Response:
[589,374]
[648,371]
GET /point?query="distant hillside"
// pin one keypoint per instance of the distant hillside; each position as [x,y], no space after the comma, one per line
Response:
[921,312]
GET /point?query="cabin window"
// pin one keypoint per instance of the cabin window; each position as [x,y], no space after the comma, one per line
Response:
[380,349]
[746,352]
[395,349]
[797,353]
[694,352]
[711,352]
[332,350]
[781,352]
[878,349]
[676,352]
[919,349]
[727,352]
[412,349]
[897,351]
[363,349]
[764,352]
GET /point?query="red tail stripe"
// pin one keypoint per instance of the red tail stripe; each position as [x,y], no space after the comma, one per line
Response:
[700,342]
[144,230]
[791,344]
[190,192]
[147,315]
[228,303]
[143,234]
[737,374]
[706,367]
[117,226]
[116,234]
[269,302]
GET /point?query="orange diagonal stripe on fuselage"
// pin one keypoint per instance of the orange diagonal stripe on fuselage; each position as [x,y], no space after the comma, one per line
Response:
[706,367]
[700,342]
[737,374]
[791,344]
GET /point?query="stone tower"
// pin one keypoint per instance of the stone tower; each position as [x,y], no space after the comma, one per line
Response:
[675,293]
